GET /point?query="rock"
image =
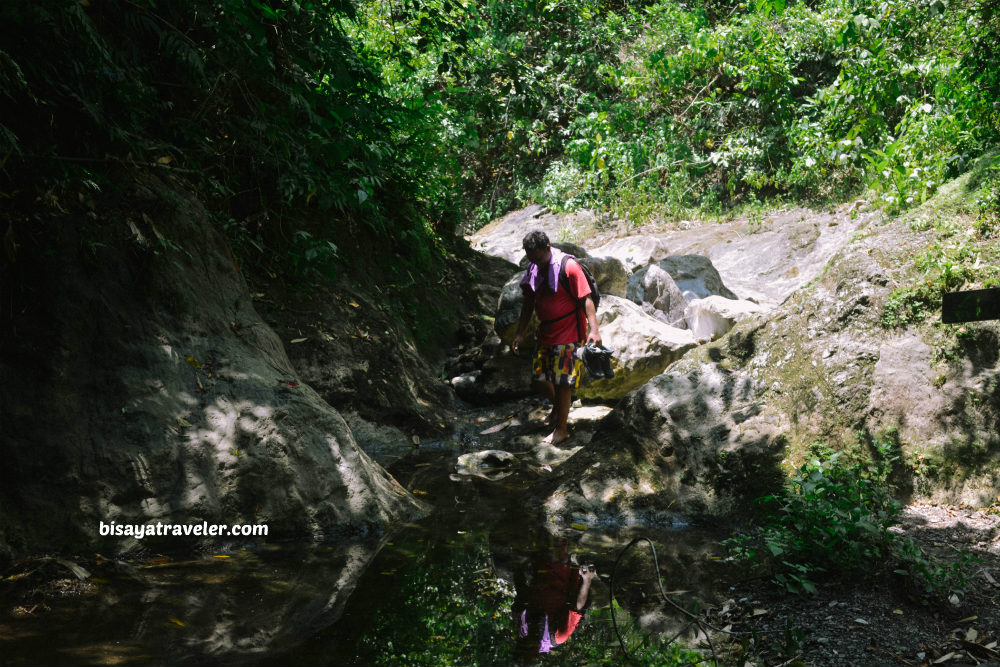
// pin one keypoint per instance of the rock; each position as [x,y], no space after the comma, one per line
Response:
[643,345]
[503,237]
[609,273]
[691,441]
[153,392]
[635,252]
[792,249]
[665,301]
[691,273]
[491,464]
[502,378]
[712,317]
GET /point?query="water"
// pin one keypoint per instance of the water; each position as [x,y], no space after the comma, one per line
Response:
[439,591]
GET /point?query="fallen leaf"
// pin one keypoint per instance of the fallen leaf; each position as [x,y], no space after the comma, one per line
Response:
[299,340]
[183,422]
[971,635]
[944,658]
[579,526]
[760,612]
[193,362]
[898,612]
[166,159]
[178,622]
[220,556]
[78,572]
[418,492]
[969,619]
[496,429]
[861,621]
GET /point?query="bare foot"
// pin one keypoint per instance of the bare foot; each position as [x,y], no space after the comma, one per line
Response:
[555,437]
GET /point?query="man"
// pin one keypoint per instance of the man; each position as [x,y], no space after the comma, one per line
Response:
[568,319]
[552,598]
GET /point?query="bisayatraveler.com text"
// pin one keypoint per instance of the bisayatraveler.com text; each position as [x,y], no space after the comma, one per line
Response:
[203,529]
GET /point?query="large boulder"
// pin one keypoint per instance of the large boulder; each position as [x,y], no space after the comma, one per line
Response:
[695,275]
[644,347]
[712,317]
[150,391]
[659,296]
[503,237]
[691,442]
[609,273]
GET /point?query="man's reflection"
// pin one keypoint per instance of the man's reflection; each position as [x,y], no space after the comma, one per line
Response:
[551,601]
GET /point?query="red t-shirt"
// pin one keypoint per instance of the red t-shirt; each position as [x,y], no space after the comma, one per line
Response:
[550,305]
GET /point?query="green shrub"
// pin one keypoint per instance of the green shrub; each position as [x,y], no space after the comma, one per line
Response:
[833,523]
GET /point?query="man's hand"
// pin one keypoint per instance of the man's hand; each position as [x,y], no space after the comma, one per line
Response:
[516,345]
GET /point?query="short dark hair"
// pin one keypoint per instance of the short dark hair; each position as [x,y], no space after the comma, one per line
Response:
[536,240]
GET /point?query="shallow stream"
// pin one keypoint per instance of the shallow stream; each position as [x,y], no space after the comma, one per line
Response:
[444,590]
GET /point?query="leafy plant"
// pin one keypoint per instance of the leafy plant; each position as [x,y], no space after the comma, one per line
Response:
[833,522]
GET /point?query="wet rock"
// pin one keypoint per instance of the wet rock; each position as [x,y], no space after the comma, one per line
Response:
[491,464]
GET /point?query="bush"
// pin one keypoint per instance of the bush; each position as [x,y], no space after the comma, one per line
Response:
[833,522]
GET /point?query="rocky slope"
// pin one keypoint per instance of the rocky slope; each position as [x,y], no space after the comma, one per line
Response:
[820,361]
[141,386]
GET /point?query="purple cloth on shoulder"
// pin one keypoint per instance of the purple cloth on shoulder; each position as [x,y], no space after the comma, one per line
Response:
[535,275]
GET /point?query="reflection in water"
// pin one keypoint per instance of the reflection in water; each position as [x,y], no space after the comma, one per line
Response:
[469,585]
[552,596]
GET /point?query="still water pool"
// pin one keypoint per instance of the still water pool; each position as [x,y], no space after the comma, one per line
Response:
[484,580]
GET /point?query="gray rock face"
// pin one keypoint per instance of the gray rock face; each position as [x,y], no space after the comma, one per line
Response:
[689,442]
[609,273]
[635,252]
[158,395]
[503,237]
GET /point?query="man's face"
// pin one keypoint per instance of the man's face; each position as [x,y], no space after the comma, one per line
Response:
[538,256]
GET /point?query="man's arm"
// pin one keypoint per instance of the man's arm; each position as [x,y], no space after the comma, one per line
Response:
[527,309]
[595,335]
[586,574]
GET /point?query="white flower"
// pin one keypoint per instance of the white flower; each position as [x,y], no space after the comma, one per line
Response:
[810,162]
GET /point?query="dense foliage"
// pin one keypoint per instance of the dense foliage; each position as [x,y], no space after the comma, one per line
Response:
[340,128]
[264,107]
[661,107]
